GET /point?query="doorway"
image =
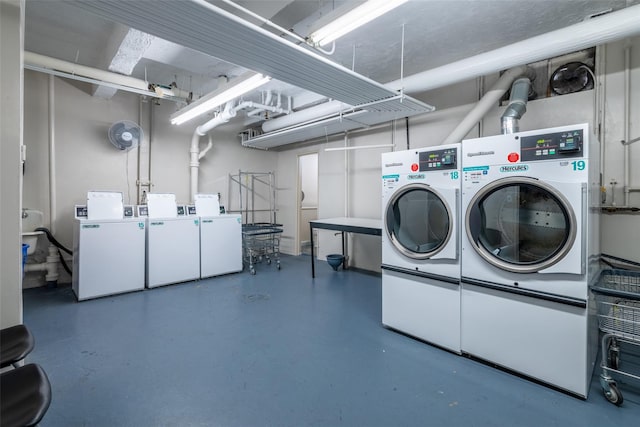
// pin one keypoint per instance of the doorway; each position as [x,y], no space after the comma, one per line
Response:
[307,198]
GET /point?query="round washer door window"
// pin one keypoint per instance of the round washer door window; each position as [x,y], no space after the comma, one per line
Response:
[520,224]
[418,221]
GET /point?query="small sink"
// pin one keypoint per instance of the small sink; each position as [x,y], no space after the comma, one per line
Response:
[31,219]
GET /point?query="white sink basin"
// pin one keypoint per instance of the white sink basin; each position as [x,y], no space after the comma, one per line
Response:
[31,219]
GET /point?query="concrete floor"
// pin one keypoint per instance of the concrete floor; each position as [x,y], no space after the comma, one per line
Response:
[275,349]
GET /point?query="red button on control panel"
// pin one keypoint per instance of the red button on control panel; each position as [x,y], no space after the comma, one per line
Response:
[414,167]
[513,157]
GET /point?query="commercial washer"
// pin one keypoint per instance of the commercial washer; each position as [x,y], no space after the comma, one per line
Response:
[420,244]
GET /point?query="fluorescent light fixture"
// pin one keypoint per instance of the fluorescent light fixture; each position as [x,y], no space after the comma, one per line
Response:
[353,19]
[237,87]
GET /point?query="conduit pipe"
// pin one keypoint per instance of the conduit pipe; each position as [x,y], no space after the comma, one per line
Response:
[487,102]
[600,30]
[52,158]
[627,122]
[517,106]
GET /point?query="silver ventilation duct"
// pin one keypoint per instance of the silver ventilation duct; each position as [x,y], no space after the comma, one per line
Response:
[517,105]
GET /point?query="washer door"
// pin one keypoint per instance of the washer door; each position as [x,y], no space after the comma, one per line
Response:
[521,224]
[418,221]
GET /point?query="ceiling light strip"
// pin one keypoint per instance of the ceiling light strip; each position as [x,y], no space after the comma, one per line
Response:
[236,88]
[355,18]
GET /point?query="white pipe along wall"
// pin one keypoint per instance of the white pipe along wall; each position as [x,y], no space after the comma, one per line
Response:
[596,31]
[223,117]
[487,102]
[69,67]
[98,76]
[602,29]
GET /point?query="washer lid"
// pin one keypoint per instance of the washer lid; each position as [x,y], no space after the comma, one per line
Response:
[420,223]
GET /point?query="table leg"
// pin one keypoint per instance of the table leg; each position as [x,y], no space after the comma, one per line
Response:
[344,255]
[313,266]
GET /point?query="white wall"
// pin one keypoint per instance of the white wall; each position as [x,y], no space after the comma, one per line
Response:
[85,159]
[349,182]
[360,178]
[621,233]
[11,126]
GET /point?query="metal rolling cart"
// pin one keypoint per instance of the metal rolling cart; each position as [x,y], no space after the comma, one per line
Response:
[254,198]
[618,300]
[261,242]
[255,201]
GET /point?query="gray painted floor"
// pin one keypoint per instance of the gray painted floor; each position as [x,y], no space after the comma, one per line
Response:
[275,349]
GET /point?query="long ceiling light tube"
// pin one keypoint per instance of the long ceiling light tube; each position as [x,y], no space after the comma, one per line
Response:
[238,87]
[596,31]
[353,19]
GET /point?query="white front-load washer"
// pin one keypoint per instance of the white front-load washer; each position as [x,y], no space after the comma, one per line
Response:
[108,247]
[530,251]
[220,238]
[173,242]
[420,244]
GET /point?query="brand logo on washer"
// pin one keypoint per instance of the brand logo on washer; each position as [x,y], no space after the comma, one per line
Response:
[388,165]
[514,168]
[415,176]
[481,153]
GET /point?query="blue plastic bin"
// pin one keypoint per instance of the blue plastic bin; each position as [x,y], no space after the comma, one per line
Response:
[25,247]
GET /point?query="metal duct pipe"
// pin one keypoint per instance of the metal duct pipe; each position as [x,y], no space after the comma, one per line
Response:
[600,30]
[487,102]
[517,105]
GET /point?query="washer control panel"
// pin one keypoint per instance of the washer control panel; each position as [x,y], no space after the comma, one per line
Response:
[552,146]
[430,161]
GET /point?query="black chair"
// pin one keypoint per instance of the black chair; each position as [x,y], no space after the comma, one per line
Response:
[26,395]
[15,343]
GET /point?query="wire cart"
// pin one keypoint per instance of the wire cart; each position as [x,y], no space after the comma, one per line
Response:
[617,296]
[261,242]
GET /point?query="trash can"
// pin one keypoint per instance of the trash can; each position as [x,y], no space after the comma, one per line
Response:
[25,247]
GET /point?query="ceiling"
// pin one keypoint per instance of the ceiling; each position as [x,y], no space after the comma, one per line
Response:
[435,33]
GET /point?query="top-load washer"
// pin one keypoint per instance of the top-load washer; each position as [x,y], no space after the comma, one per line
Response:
[173,241]
[220,238]
[530,203]
[108,247]
[420,243]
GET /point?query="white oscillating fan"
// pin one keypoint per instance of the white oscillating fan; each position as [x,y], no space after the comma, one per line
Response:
[125,135]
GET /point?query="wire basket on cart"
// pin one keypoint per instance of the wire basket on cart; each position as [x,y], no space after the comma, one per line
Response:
[261,242]
[618,300]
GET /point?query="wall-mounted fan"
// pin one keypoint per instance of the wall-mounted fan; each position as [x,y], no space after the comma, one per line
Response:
[571,77]
[125,135]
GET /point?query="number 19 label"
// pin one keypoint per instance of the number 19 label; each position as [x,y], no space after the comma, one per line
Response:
[579,165]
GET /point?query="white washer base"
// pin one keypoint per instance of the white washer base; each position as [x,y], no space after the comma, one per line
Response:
[424,308]
[545,340]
